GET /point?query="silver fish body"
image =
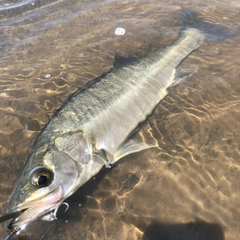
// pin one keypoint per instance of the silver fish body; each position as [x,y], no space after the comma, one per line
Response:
[92,129]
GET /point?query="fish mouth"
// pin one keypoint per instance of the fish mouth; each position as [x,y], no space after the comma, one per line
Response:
[32,210]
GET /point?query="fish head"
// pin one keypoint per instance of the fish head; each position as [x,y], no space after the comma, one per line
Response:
[48,178]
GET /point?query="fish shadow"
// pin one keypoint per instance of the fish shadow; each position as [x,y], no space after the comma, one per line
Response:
[198,230]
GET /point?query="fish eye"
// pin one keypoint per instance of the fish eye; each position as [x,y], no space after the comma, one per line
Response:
[41,177]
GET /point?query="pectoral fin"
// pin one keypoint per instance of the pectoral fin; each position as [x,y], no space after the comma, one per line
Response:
[125,149]
[129,147]
[136,142]
[101,154]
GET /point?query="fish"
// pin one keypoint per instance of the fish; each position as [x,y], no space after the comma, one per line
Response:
[92,129]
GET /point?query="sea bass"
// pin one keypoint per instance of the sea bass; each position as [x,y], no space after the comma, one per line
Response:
[92,129]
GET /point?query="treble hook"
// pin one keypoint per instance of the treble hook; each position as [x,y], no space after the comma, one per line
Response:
[55,211]
[10,235]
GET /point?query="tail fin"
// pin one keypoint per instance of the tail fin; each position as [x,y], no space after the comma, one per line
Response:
[196,35]
[211,31]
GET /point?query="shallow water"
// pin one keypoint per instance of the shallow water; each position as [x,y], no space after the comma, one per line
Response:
[188,187]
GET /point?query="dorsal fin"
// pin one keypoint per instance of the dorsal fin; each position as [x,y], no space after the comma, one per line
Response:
[121,61]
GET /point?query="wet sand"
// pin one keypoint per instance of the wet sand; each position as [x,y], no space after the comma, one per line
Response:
[187,187]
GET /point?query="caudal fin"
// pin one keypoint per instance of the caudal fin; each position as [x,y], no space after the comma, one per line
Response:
[205,30]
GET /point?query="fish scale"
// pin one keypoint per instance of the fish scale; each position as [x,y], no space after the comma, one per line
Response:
[120,91]
[116,104]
